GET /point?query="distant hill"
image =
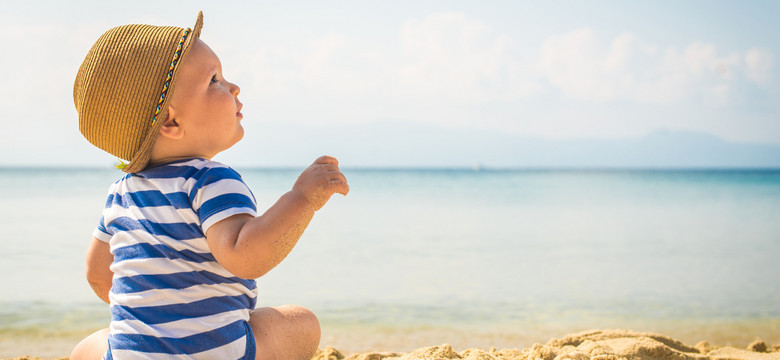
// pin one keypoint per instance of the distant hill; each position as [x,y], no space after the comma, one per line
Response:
[657,149]
[413,145]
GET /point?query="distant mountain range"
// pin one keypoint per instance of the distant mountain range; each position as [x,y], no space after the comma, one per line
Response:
[429,146]
[658,149]
[412,145]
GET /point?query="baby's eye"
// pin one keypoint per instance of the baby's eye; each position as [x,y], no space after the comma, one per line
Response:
[214,79]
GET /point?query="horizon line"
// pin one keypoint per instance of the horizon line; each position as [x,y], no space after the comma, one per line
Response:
[474,168]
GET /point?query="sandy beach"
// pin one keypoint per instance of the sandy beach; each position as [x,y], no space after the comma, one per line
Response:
[586,345]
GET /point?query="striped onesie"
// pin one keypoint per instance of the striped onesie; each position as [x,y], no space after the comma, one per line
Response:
[170,299]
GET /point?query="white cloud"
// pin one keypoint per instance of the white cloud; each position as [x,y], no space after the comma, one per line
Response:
[451,55]
[442,55]
[759,65]
[437,69]
[581,67]
[577,65]
[453,70]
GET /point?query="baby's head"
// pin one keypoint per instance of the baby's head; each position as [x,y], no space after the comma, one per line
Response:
[152,93]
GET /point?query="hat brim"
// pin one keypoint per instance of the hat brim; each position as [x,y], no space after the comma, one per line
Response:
[142,157]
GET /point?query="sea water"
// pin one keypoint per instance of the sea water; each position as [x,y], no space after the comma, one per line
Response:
[477,258]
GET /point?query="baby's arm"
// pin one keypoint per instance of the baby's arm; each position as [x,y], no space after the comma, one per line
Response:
[250,246]
[99,274]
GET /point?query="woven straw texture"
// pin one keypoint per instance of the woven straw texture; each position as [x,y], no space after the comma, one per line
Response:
[118,88]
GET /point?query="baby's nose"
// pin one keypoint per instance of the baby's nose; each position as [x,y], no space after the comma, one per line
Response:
[234,89]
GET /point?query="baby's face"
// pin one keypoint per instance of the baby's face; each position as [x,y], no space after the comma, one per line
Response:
[206,105]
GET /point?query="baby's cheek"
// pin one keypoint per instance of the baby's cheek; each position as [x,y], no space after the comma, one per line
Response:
[226,101]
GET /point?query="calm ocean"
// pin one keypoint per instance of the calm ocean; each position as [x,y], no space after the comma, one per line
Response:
[474,258]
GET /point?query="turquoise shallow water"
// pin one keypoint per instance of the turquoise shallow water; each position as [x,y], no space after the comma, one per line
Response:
[427,255]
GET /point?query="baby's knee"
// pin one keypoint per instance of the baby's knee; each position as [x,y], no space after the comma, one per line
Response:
[287,331]
[304,330]
[93,347]
[304,319]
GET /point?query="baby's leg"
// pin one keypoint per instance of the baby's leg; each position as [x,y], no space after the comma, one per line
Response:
[93,347]
[285,332]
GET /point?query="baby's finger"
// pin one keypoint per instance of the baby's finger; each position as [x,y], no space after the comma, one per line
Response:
[338,176]
[339,186]
[325,159]
[329,167]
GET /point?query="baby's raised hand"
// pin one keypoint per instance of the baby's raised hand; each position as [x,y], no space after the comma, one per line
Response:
[321,180]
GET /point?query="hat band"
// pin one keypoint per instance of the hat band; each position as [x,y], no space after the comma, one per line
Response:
[168,78]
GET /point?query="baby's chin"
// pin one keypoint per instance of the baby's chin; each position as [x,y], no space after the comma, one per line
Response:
[239,135]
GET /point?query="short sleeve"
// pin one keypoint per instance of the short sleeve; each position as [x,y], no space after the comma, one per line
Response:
[220,193]
[101,233]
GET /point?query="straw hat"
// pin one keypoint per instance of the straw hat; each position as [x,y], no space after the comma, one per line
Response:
[124,85]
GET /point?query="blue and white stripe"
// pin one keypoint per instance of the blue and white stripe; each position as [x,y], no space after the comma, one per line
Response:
[170,298]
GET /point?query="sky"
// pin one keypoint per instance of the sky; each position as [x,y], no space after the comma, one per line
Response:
[330,77]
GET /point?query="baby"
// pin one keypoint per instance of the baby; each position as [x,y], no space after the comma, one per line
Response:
[179,244]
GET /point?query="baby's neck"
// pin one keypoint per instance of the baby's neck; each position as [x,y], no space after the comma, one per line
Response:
[165,151]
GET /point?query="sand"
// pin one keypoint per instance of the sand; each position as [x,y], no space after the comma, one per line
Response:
[587,345]
[593,344]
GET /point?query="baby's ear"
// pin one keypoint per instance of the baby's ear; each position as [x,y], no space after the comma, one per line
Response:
[170,128]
